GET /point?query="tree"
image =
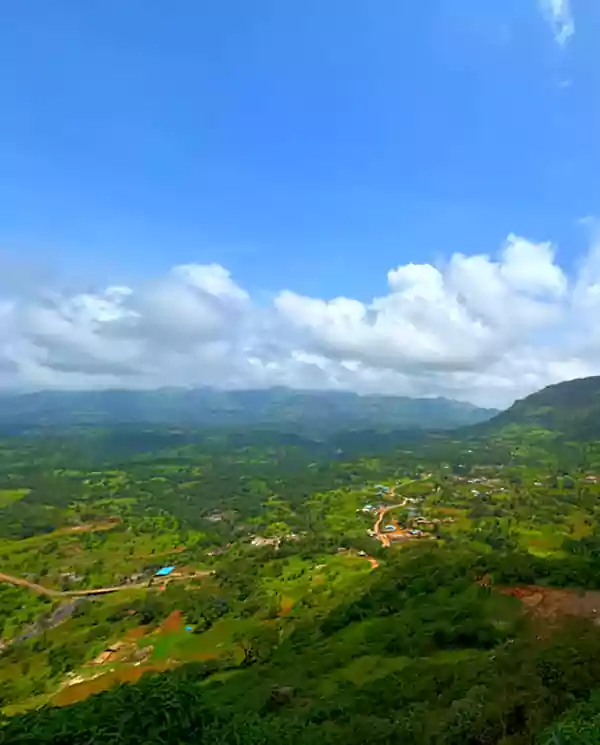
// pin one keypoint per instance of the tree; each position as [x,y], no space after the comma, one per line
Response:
[257,644]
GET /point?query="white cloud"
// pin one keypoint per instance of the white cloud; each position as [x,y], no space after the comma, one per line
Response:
[558,14]
[449,318]
[482,328]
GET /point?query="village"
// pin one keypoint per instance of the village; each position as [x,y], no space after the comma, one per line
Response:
[418,527]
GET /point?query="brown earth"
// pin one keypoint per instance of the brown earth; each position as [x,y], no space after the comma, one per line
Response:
[134,635]
[81,691]
[172,623]
[90,527]
[551,603]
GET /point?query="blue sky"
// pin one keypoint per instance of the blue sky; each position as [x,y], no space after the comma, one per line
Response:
[307,146]
[306,143]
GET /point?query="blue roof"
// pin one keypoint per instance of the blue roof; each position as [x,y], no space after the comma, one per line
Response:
[164,571]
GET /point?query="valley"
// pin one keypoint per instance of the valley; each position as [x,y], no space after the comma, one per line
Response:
[260,573]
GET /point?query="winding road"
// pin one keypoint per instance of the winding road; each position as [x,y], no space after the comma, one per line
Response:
[382,537]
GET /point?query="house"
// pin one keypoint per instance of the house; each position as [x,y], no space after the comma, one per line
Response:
[108,654]
[214,518]
[165,571]
[389,528]
[260,541]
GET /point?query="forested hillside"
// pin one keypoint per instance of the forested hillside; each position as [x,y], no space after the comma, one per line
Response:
[571,408]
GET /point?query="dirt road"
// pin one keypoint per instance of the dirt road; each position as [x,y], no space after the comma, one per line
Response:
[38,589]
[41,590]
[382,537]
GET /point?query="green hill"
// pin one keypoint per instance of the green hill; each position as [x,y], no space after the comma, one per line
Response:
[571,408]
[282,409]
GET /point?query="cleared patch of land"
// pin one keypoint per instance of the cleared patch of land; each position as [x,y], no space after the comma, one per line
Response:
[552,603]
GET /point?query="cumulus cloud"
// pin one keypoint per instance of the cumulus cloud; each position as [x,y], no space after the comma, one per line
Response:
[558,14]
[481,328]
[444,319]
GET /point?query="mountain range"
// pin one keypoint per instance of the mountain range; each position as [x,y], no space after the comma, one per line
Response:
[277,408]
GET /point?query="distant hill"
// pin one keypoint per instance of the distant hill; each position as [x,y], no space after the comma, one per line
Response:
[278,408]
[571,408]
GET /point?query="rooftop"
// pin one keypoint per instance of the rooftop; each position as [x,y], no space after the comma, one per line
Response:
[164,571]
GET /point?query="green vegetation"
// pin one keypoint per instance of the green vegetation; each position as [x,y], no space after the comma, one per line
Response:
[286,619]
[571,408]
[288,410]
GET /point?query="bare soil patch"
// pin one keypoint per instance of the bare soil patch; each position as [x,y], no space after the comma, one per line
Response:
[172,623]
[134,635]
[90,527]
[81,691]
[552,603]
